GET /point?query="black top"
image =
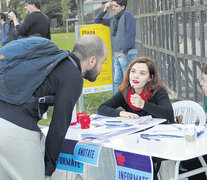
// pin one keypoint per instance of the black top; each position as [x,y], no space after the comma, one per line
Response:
[66,83]
[158,106]
[35,23]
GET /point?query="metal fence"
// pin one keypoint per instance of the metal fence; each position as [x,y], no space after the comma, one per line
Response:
[173,32]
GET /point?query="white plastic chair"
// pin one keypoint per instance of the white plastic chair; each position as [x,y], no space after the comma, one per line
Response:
[190,111]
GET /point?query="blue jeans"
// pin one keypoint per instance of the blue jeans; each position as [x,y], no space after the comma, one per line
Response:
[120,67]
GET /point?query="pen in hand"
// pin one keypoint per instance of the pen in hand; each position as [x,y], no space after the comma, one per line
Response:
[148,138]
[133,91]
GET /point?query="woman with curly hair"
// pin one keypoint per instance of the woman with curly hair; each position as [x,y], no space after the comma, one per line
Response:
[141,93]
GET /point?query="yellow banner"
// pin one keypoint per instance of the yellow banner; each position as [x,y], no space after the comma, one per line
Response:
[104,79]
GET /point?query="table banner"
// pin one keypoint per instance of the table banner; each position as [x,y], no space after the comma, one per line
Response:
[87,153]
[132,166]
[66,159]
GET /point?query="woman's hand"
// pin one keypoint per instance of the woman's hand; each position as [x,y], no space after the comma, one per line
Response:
[137,101]
[128,115]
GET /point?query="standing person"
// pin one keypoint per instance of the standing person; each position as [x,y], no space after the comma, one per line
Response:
[141,93]
[21,155]
[8,30]
[35,22]
[3,34]
[123,31]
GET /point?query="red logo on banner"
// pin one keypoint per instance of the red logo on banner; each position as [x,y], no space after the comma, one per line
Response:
[120,159]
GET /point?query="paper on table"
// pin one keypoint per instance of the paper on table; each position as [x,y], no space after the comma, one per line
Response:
[117,122]
[101,131]
[166,129]
[172,130]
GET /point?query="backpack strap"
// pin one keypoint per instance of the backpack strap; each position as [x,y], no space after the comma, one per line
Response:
[46,99]
[73,61]
[50,98]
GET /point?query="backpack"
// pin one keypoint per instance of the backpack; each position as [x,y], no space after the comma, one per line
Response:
[24,64]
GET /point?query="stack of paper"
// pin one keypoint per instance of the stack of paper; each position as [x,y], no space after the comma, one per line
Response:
[104,128]
[166,131]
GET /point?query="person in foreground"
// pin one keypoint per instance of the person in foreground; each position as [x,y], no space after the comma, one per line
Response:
[141,93]
[21,154]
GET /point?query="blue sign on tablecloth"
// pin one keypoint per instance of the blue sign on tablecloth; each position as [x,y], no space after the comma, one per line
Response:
[67,162]
[87,153]
[133,166]
[66,158]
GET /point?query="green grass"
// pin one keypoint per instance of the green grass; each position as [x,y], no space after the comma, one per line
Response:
[91,102]
[64,41]
[47,121]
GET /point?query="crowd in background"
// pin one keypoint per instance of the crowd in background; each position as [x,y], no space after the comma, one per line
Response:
[35,23]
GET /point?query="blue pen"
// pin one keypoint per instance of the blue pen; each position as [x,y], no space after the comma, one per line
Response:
[133,91]
[176,127]
[117,125]
[114,121]
[200,133]
[160,136]
[147,138]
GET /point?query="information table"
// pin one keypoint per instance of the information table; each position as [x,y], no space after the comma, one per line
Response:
[175,149]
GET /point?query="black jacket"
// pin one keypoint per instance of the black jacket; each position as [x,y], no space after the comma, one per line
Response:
[158,106]
[35,23]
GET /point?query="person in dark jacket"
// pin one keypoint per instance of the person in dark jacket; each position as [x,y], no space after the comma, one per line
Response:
[141,93]
[35,23]
[21,154]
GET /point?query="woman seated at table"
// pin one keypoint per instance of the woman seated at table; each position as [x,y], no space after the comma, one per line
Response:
[141,93]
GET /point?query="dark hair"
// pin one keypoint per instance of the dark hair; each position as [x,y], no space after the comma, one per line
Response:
[121,2]
[3,16]
[204,69]
[35,2]
[155,83]
[14,11]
